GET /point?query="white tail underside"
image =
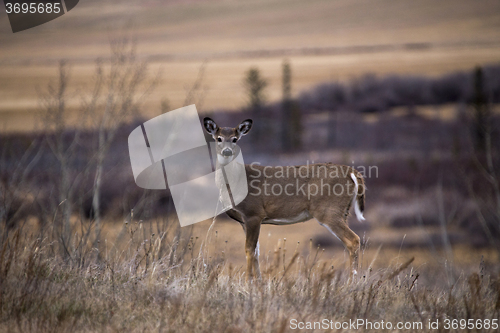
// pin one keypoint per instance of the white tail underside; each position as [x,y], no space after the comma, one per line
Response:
[357,211]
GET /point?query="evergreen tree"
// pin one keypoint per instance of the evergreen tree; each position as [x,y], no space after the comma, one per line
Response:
[254,85]
[480,112]
[291,120]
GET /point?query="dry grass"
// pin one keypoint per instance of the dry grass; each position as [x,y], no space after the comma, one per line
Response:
[222,84]
[350,39]
[146,281]
[203,29]
[152,276]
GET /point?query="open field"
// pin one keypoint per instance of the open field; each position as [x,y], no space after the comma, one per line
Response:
[141,282]
[84,249]
[323,40]
[206,29]
[223,78]
[382,246]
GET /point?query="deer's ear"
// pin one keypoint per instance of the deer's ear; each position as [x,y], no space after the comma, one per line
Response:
[210,125]
[245,127]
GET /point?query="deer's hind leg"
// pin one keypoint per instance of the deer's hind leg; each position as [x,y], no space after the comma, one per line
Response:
[337,224]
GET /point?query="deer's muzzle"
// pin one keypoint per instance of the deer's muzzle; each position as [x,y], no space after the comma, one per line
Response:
[227,152]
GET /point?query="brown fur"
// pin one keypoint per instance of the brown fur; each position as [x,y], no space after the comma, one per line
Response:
[263,206]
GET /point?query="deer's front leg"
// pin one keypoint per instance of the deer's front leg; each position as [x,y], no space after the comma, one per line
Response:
[252,230]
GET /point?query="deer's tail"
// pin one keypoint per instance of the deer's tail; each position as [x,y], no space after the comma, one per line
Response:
[358,200]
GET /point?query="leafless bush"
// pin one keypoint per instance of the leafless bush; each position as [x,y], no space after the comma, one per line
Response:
[119,86]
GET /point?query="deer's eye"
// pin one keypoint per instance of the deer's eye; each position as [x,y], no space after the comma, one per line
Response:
[219,139]
[235,139]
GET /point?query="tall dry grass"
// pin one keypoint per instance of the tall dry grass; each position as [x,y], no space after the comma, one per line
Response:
[154,278]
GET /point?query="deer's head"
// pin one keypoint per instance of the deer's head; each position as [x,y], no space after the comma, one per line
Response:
[226,137]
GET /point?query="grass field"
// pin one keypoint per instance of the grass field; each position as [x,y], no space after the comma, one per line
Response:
[323,40]
[142,281]
[425,254]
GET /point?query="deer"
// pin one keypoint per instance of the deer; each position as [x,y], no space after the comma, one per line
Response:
[291,204]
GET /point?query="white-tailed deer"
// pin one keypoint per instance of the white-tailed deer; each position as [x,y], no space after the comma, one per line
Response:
[282,195]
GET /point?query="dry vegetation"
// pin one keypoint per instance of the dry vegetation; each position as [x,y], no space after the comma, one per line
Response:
[324,40]
[83,249]
[153,278]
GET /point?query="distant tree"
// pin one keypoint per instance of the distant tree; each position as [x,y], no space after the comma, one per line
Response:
[480,117]
[337,97]
[254,85]
[291,131]
[486,160]
[451,88]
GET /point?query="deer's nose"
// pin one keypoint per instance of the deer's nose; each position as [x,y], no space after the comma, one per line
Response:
[227,152]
